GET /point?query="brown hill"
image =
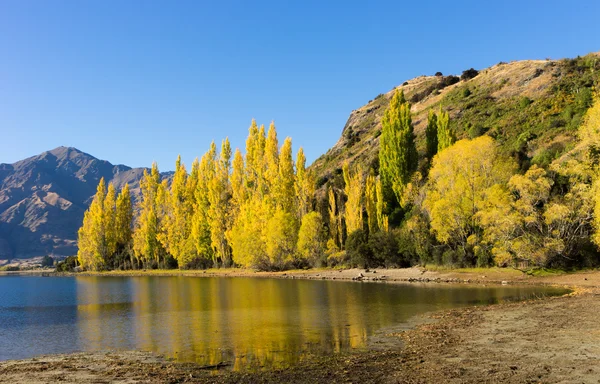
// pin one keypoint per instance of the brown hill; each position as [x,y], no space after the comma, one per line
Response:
[532,108]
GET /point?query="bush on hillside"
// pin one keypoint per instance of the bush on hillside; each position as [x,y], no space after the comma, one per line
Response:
[47,261]
[469,74]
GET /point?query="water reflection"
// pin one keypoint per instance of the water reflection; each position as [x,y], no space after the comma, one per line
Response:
[254,322]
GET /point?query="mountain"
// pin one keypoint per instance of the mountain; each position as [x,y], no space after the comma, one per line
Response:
[532,108]
[43,198]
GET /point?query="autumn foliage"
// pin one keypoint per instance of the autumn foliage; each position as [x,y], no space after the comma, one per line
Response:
[469,205]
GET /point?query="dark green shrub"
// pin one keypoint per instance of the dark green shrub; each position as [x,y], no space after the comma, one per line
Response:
[449,258]
[557,123]
[449,80]
[484,259]
[524,102]
[67,265]
[358,250]
[466,92]
[321,181]
[545,157]
[469,74]
[170,263]
[475,131]
[384,250]
[584,99]
[47,261]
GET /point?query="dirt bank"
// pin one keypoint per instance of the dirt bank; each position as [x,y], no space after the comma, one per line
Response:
[417,274]
[551,341]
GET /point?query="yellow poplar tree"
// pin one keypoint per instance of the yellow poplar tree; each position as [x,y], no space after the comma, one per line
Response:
[311,239]
[286,191]
[382,219]
[110,223]
[246,236]
[219,195]
[124,218]
[354,204]
[271,166]
[164,215]
[305,185]
[238,184]
[371,202]
[92,249]
[253,155]
[281,238]
[333,217]
[145,242]
[177,215]
[200,231]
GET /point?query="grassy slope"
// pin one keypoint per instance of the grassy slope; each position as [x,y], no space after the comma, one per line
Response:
[532,108]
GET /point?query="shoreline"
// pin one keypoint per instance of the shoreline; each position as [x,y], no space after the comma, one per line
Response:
[476,276]
[551,339]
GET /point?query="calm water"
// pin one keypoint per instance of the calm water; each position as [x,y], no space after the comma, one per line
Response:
[245,321]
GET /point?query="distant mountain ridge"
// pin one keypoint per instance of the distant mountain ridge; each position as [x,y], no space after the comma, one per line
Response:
[43,199]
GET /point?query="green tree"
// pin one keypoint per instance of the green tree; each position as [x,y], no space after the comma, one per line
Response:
[397,149]
[431,135]
[445,134]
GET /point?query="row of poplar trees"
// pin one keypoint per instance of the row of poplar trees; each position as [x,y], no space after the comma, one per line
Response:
[105,235]
[253,210]
[229,209]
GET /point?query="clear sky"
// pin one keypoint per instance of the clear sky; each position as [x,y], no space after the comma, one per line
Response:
[133,81]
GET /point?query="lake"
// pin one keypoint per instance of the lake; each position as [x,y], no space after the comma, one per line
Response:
[248,322]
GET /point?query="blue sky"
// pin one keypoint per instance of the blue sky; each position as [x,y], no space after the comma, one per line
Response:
[136,81]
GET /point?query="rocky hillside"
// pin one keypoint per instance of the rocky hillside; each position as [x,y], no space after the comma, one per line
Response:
[532,108]
[43,198]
